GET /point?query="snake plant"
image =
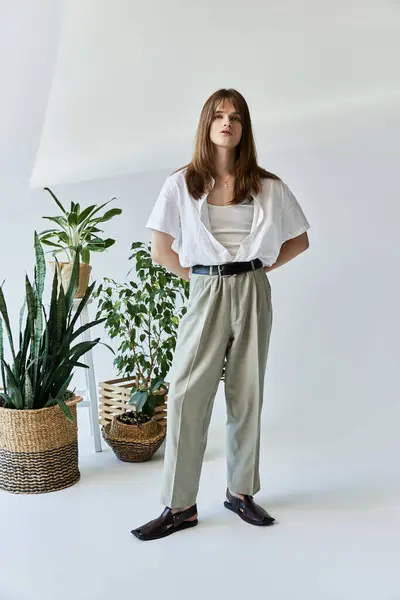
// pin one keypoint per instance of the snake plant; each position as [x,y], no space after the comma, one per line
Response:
[41,368]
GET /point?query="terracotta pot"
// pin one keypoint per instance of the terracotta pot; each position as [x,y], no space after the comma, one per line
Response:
[84,275]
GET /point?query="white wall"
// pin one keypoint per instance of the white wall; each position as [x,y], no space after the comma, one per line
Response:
[332,378]
[131,77]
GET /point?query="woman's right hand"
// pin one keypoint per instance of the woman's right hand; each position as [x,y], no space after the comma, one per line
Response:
[162,254]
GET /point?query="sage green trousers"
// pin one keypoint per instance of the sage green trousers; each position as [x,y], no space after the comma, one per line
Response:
[228,317]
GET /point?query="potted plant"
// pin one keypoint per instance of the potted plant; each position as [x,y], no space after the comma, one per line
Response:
[143,314]
[134,436]
[77,232]
[38,425]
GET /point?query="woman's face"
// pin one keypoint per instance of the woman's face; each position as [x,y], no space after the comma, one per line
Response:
[226,127]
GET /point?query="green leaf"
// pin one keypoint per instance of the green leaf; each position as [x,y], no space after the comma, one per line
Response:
[3,375]
[52,244]
[156,386]
[86,213]
[29,396]
[73,282]
[91,220]
[4,313]
[108,215]
[72,219]
[85,254]
[55,199]
[65,409]
[59,220]
[138,399]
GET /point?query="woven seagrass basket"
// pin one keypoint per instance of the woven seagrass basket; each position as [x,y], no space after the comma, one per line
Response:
[132,443]
[38,449]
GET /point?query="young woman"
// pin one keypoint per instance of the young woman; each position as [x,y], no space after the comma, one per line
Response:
[223,222]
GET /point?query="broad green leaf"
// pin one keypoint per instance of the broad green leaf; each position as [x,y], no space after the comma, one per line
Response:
[86,213]
[59,220]
[138,399]
[108,215]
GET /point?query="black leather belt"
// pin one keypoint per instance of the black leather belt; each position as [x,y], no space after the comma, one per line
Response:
[232,268]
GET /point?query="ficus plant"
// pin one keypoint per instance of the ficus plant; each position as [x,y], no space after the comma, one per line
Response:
[42,366]
[143,314]
[78,230]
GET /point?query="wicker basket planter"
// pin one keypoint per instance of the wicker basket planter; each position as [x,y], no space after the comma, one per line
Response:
[84,275]
[114,398]
[38,449]
[132,443]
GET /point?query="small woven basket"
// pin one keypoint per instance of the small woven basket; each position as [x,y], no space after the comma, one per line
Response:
[132,443]
[38,449]
[127,433]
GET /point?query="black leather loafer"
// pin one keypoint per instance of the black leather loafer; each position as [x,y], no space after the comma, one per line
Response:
[248,510]
[166,524]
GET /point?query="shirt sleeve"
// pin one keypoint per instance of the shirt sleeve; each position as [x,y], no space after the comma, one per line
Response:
[165,214]
[294,222]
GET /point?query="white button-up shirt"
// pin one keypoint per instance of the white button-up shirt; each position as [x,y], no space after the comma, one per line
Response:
[277,218]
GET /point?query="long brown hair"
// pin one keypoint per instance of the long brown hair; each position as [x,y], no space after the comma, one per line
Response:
[200,171]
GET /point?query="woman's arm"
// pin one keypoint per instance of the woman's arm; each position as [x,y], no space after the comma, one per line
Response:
[290,250]
[162,254]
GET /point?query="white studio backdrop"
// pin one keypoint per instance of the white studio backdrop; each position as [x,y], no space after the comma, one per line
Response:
[332,379]
[130,77]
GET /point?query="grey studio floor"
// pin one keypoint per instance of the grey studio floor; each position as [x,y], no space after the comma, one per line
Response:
[336,537]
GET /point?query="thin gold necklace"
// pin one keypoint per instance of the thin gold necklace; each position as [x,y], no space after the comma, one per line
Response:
[226,182]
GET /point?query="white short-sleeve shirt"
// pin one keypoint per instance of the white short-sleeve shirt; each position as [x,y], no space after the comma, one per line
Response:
[277,218]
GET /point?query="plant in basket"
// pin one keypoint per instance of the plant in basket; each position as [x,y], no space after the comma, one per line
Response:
[143,314]
[38,428]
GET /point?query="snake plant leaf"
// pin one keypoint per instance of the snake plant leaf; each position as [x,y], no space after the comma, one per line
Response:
[4,314]
[81,348]
[29,396]
[61,318]
[40,268]
[65,409]
[21,321]
[13,387]
[31,304]
[6,400]
[40,274]
[85,327]
[81,306]
[2,371]
[73,282]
